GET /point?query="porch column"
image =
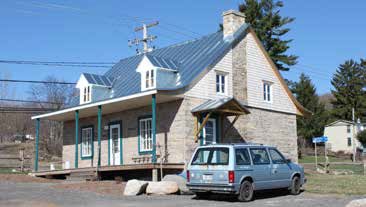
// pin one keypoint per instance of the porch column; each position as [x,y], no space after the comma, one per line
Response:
[37,143]
[76,138]
[99,133]
[153,125]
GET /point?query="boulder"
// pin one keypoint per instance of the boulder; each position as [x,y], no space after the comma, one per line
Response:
[357,203]
[181,181]
[135,187]
[162,188]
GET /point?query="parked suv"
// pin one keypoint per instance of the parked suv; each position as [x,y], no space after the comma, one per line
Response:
[241,169]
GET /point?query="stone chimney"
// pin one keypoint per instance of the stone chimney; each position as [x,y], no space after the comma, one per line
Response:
[232,20]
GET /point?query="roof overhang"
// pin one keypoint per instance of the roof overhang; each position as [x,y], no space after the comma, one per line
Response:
[228,106]
[108,106]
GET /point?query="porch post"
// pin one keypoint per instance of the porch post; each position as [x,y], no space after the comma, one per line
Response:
[76,138]
[153,125]
[37,143]
[99,133]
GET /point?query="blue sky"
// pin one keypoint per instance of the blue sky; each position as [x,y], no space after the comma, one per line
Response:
[325,33]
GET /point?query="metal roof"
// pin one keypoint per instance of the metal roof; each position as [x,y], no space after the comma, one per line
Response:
[163,62]
[98,79]
[214,104]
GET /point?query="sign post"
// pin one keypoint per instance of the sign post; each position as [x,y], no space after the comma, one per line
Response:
[316,140]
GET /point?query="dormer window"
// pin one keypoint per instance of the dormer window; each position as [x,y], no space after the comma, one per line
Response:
[149,79]
[86,94]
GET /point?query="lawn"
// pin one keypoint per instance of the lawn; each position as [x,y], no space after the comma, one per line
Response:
[336,184]
[311,159]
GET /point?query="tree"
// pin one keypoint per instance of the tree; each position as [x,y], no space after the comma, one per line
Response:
[264,17]
[349,90]
[59,96]
[361,136]
[305,92]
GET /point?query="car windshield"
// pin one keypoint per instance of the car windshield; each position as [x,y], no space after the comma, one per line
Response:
[211,156]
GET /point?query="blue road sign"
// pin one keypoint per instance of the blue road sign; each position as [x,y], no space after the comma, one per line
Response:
[320,139]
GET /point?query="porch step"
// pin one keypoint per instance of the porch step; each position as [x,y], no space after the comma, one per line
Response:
[82,176]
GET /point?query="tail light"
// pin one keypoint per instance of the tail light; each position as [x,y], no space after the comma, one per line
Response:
[231,176]
[188,176]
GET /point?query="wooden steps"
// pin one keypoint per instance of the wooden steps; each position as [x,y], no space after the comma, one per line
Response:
[88,175]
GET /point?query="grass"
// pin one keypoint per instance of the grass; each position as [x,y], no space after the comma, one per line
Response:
[10,171]
[336,184]
[311,159]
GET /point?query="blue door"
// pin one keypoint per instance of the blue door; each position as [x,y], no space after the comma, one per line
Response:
[261,168]
[280,172]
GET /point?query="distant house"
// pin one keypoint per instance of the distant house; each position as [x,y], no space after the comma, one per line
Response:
[342,136]
[158,106]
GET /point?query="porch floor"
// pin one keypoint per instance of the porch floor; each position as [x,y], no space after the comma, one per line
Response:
[106,169]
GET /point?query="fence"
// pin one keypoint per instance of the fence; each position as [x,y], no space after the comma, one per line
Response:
[20,163]
[339,168]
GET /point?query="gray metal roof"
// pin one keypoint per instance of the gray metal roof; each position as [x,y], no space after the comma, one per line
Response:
[98,79]
[189,58]
[216,104]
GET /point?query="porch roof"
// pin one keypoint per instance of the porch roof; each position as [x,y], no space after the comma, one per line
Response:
[228,105]
[109,106]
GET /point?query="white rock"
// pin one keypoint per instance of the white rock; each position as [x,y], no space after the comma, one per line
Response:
[162,188]
[357,203]
[181,181]
[135,187]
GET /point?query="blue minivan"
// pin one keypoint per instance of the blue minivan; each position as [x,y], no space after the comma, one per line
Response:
[241,169]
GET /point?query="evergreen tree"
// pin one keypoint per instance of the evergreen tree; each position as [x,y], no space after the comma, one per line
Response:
[313,126]
[264,16]
[349,90]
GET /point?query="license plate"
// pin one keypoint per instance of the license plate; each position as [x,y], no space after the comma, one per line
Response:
[207,178]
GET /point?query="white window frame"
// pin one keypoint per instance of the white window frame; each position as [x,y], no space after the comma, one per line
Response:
[145,135]
[222,76]
[86,142]
[149,79]
[267,92]
[85,94]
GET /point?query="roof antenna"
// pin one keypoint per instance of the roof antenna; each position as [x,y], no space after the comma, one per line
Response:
[146,39]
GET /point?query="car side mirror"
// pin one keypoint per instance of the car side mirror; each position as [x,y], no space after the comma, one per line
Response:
[288,160]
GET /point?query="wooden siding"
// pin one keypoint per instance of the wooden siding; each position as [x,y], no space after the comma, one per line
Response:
[206,87]
[259,70]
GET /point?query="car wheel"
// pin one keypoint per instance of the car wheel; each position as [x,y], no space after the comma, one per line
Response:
[202,195]
[295,186]
[246,191]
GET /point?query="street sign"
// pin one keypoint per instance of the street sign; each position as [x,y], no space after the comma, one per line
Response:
[320,139]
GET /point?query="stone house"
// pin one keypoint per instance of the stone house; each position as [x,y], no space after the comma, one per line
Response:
[157,106]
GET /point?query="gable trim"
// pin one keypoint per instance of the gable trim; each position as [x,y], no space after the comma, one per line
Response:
[300,110]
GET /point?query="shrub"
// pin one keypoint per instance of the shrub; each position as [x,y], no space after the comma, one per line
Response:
[361,136]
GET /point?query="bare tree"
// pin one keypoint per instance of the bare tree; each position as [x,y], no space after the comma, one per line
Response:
[59,96]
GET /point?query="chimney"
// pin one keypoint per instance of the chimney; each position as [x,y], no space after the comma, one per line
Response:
[232,20]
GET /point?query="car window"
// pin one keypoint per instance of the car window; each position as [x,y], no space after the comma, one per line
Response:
[276,157]
[211,156]
[259,156]
[242,156]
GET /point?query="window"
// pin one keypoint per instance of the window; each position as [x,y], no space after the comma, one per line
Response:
[242,156]
[348,129]
[86,94]
[267,92]
[349,141]
[87,142]
[220,83]
[259,156]
[146,142]
[276,157]
[149,79]
[211,156]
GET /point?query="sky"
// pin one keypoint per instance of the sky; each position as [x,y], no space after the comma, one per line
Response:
[324,33]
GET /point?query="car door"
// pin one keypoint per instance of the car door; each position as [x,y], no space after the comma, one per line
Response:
[243,164]
[261,168]
[280,170]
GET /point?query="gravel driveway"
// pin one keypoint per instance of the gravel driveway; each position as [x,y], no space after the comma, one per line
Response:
[43,194]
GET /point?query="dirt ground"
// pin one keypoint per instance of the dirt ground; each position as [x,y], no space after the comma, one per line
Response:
[22,190]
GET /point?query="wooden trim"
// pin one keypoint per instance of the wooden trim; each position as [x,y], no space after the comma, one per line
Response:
[231,124]
[201,127]
[301,110]
[230,111]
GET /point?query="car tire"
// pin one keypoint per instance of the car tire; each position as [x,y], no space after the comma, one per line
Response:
[202,195]
[246,191]
[295,186]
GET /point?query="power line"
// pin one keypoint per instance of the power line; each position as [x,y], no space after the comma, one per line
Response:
[25,109]
[32,81]
[58,64]
[27,101]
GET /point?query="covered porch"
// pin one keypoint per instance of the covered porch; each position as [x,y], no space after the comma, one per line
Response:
[104,153]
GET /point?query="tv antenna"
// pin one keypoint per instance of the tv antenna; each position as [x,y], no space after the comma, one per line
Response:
[146,39]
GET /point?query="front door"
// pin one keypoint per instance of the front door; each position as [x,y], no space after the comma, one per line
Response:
[115,144]
[209,132]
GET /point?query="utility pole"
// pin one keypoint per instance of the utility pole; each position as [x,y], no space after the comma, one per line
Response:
[145,37]
[353,135]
